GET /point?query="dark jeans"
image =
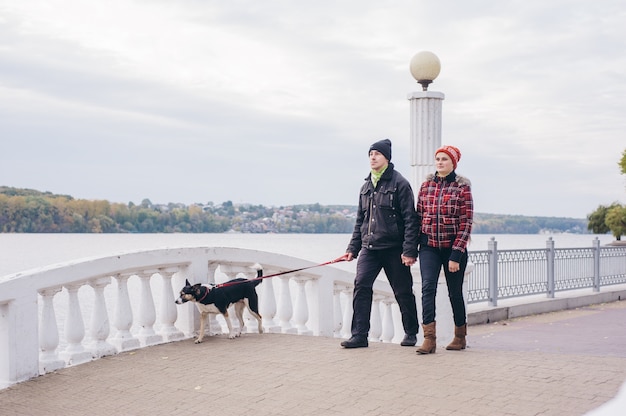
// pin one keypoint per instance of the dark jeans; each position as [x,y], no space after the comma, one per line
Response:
[431,260]
[369,265]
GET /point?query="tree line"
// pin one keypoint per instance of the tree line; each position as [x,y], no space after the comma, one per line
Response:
[30,211]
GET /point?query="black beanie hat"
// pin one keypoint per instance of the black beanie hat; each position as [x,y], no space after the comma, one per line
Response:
[383,146]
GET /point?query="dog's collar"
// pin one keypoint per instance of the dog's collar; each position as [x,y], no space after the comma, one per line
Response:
[206,292]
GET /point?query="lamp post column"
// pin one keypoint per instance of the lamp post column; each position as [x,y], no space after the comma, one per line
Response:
[425,133]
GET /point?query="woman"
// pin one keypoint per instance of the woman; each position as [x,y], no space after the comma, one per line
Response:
[445,210]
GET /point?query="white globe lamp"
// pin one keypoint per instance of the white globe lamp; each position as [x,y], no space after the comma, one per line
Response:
[425,67]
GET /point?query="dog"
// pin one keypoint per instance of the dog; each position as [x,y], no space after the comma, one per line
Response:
[216,299]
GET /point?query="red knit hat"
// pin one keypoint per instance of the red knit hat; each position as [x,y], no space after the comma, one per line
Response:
[453,152]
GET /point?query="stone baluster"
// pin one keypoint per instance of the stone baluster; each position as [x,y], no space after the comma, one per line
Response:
[49,334]
[251,322]
[285,308]
[267,303]
[387,324]
[123,320]
[301,315]
[376,327]
[397,323]
[346,329]
[232,271]
[168,311]
[147,312]
[212,269]
[74,352]
[337,316]
[212,323]
[100,326]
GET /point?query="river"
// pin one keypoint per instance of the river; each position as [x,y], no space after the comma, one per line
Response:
[20,252]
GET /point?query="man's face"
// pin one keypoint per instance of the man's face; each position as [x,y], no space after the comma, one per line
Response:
[377,160]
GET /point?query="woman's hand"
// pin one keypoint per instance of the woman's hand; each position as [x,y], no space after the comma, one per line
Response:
[453,266]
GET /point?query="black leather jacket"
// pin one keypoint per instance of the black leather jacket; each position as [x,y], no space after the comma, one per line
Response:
[386,216]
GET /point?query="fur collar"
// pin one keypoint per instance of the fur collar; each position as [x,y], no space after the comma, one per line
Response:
[452,177]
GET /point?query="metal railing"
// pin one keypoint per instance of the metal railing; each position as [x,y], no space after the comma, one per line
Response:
[501,274]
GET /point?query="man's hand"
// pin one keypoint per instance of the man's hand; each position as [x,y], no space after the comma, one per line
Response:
[408,261]
[347,257]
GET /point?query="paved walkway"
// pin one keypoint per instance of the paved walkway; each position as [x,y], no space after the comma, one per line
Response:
[561,363]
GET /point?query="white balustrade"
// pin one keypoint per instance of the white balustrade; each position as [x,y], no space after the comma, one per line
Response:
[123,340]
[285,308]
[233,271]
[49,333]
[388,332]
[337,314]
[168,312]
[100,325]
[294,303]
[267,303]
[346,329]
[301,315]
[213,323]
[398,327]
[147,312]
[74,352]
[376,323]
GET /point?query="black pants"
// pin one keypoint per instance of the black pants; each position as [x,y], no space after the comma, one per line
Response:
[369,265]
[431,261]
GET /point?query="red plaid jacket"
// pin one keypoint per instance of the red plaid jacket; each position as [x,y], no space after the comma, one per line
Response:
[445,210]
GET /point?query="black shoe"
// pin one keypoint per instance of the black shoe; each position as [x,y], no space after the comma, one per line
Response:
[409,340]
[355,342]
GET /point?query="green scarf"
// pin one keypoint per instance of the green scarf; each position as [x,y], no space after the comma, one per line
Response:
[377,175]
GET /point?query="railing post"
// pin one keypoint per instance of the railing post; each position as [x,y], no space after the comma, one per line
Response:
[19,350]
[49,333]
[550,266]
[398,326]
[492,246]
[596,265]
[147,312]
[123,318]
[74,353]
[337,315]
[320,296]
[285,308]
[267,303]
[168,312]
[376,322]
[388,328]
[346,328]
[100,326]
[301,314]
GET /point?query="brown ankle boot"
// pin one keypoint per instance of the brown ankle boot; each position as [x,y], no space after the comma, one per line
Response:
[458,343]
[430,339]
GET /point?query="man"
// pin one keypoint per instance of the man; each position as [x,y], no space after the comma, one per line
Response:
[385,235]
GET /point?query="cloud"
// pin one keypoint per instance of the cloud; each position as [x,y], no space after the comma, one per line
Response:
[276,103]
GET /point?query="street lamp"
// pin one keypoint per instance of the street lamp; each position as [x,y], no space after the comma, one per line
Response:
[425,67]
[425,133]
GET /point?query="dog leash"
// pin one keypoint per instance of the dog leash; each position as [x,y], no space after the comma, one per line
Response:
[337,260]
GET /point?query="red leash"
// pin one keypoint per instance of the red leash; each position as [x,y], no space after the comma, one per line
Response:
[337,260]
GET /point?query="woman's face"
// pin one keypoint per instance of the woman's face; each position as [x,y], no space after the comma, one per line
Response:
[443,164]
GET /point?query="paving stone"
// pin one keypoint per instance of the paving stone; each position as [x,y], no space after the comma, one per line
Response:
[560,363]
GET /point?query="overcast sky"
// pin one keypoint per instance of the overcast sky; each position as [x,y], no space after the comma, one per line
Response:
[277,102]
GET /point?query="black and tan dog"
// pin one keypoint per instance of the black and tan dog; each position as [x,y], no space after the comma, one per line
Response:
[216,299]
